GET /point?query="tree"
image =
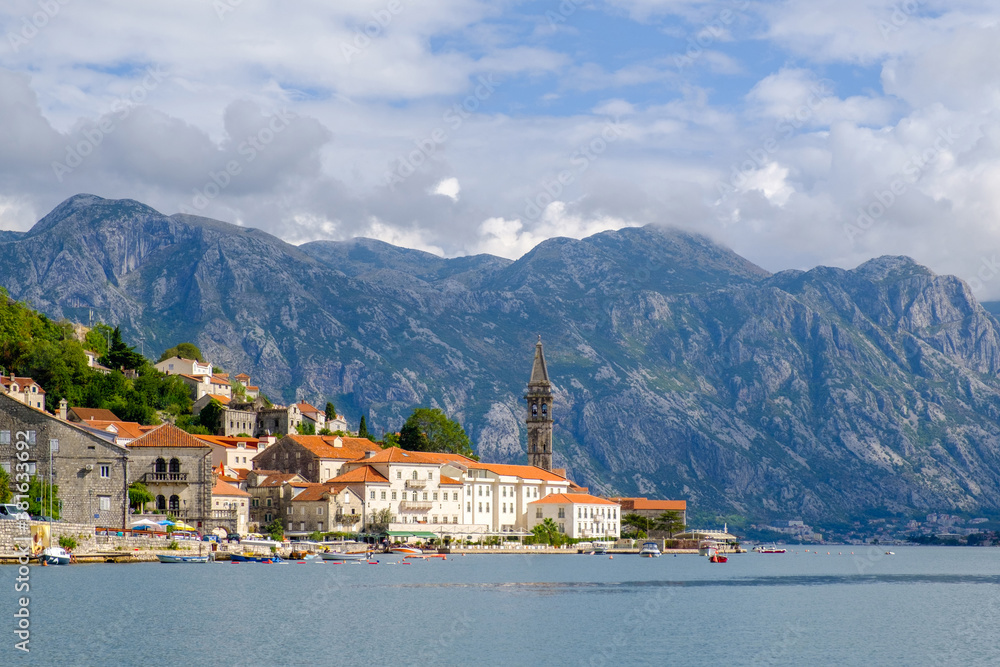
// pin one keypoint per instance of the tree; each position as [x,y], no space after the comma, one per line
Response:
[669,522]
[637,522]
[331,411]
[363,430]
[390,440]
[430,430]
[41,497]
[184,351]
[121,355]
[306,429]
[5,492]
[547,531]
[379,520]
[276,530]
[138,496]
[211,415]
[98,339]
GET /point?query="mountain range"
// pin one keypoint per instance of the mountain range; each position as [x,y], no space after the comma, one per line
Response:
[680,369]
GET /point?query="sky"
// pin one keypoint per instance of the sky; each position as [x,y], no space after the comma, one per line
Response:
[796,133]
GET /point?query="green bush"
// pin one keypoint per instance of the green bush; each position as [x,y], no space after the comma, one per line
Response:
[67,542]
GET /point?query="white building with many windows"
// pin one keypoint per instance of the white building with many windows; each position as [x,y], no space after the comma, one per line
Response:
[578,515]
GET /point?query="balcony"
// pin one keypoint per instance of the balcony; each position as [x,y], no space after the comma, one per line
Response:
[416,483]
[165,478]
[416,505]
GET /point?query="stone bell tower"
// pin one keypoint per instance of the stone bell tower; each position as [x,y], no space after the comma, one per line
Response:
[539,420]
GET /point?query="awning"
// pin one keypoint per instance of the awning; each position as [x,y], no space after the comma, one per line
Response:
[407,533]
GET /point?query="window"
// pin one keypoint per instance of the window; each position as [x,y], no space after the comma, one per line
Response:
[289,509]
[268,517]
[503,508]
[480,507]
[562,512]
[454,496]
[538,512]
[430,475]
[53,445]
[487,507]
[383,495]
[161,502]
[31,437]
[434,519]
[399,474]
[454,519]
[105,470]
[175,465]
[104,502]
[504,491]
[434,496]
[480,492]
[425,495]
[175,503]
[302,525]
[268,502]
[4,437]
[319,511]
[414,495]
[373,494]
[160,466]
[319,526]
[254,503]
[302,510]
[394,495]
[562,528]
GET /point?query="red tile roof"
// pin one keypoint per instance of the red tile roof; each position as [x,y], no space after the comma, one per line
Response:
[168,435]
[652,505]
[314,492]
[305,407]
[447,457]
[125,429]
[397,455]
[228,441]
[87,414]
[576,498]
[364,474]
[448,480]
[221,488]
[7,380]
[322,446]
[525,472]
[277,479]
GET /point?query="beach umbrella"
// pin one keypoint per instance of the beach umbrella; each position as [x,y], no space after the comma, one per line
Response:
[165,522]
[183,526]
[145,523]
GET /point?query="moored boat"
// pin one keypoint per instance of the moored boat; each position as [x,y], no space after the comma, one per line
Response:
[164,558]
[407,551]
[768,549]
[252,558]
[650,550]
[55,556]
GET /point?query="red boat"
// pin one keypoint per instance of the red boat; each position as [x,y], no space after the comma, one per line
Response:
[717,558]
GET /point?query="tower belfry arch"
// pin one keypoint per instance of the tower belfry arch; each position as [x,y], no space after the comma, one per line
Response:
[539,420]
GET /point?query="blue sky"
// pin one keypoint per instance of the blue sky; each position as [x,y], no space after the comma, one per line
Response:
[797,133]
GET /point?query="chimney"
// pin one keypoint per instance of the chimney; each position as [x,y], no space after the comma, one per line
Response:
[62,409]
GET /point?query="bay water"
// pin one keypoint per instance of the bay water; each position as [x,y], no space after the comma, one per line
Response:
[920,606]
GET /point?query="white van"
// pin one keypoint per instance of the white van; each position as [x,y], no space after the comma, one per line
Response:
[10,511]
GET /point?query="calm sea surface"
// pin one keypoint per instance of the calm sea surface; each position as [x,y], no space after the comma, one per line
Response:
[921,606]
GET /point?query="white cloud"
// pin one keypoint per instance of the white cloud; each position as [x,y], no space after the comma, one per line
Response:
[449,187]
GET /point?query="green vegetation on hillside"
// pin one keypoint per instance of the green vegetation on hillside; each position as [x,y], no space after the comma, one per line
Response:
[430,430]
[32,345]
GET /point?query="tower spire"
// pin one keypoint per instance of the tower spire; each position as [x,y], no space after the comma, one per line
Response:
[539,421]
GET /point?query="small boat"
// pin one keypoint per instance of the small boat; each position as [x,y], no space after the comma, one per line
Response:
[598,551]
[54,556]
[341,556]
[407,551]
[252,558]
[890,553]
[650,550]
[768,549]
[181,559]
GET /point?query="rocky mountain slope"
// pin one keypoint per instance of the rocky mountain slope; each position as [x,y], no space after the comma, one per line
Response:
[681,369]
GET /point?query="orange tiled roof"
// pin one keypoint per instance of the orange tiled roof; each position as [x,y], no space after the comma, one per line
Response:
[447,457]
[576,498]
[125,429]
[225,400]
[653,505]
[314,492]
[322,446]
[241,473]
[7,380]
[167,435]
[88,414]
[280,478]
[525,472]
[364,474]
[218,379]
[397,455]
[228,441]
[223,489]
[242,376]
[448,480]
[306,407]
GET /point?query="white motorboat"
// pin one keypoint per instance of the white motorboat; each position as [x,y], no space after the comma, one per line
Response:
[407,551]
[55,556]
[768,549]
[650,550]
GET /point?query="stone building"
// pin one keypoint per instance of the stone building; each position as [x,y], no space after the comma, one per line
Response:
[278,419]
[316,458]
[539,398]
[176,467]
[270,492]
[88,470]
[324,508]
[232,502]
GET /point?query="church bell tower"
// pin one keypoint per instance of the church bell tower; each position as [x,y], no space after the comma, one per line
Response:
[539,420]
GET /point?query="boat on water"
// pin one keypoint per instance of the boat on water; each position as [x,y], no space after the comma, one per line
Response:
[718,558]
[55,556]
[650,550]
[598,551]
[407,551]
[768,549]
[163,558]
[343,557]
[252,558]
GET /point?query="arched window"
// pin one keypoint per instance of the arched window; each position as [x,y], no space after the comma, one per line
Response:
[414,474]
[160,466]
[175,465]
[175,503]
[161,503]
[545,409]
[534,409]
